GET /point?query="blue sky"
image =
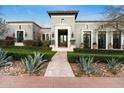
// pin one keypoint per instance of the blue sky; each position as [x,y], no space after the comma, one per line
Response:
[38,13]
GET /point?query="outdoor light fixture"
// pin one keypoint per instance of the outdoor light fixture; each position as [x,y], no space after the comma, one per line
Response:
[25,34]
[72,35]
[13,34]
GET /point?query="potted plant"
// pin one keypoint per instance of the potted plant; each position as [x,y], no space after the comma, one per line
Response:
[109,46]
[81,45]
[94,45]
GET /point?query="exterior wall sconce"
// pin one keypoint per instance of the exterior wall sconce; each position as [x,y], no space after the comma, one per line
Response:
[52,35]
[13,35]
[72,35]
[62,20]
[19,26]
[26,34]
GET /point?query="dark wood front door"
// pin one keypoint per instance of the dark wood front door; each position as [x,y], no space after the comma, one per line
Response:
[19,36]
[62,38]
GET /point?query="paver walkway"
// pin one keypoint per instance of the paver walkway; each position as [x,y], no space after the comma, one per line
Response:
[59,66]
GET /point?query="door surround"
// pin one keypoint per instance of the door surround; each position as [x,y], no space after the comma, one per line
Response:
[68,28]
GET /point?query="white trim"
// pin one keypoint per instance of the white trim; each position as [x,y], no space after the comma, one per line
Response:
[56,36]
[23,34]
[82,33]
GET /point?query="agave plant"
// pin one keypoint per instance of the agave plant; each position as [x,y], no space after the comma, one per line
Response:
[113,62]
[4,59]
[33,64]
[86,64]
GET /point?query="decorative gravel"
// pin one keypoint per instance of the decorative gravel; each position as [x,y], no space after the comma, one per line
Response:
[17,69]
[101,70]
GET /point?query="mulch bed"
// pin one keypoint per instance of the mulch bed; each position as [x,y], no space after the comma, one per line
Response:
[101,70]
[17,69]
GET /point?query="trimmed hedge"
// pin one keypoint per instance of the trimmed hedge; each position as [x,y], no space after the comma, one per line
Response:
[18,52]
[74,57]
[18,56]
[7,42]
[97,51]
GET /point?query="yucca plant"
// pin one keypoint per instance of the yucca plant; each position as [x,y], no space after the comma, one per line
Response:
[87,64]
[4,59]
[33,64]
[113,62]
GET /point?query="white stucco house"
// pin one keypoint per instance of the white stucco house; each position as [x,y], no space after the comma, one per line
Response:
[67,33]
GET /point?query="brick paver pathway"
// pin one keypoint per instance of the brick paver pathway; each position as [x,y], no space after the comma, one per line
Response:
[59,66]
[60,82]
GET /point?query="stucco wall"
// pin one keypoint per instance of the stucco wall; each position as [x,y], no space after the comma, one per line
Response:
[69,20]
[26,27]
[93,27]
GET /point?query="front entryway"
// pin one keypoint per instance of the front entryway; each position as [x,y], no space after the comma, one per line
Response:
[62,38]
[20,36]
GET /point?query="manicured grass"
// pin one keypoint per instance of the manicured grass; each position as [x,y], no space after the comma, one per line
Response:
[98,54]
[20,52]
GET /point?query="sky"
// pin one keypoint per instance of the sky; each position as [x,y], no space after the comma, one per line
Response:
[38,13]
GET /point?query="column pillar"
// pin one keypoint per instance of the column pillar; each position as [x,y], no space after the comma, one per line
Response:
[92,39]
[122,40]
[96,34]
[107,39]
[112,38]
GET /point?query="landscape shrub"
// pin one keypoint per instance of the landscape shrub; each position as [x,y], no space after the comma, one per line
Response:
[33,64]
[7,42]
[74,57]
[87,64]
[31,43]
[45,43]
[97,51]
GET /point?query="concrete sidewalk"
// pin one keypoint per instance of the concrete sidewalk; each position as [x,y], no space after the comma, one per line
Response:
[59,66]
[61,82]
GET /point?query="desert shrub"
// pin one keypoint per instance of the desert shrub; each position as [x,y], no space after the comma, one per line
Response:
[87,64]
[33,64]
[4,59]
[113,63]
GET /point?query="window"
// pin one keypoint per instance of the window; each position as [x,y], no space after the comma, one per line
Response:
[62,20]
[86,26]
[43,37]
[52,35]
[47,36]
[87,39]
[102,26]
[101,39]
[19,26]
[72,35]
[117,39]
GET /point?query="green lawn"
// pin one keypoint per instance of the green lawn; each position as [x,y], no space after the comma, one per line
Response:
[20,52]
[98,54]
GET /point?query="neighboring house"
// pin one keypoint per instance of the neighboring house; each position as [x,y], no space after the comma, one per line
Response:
[67,33]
